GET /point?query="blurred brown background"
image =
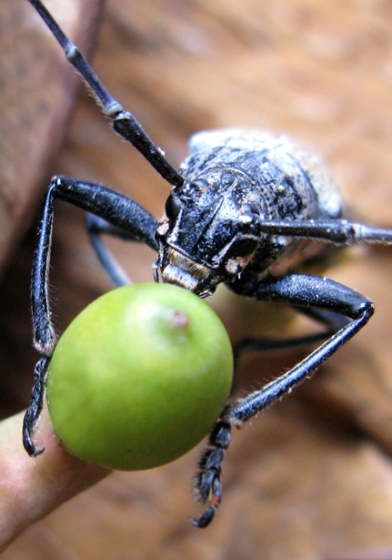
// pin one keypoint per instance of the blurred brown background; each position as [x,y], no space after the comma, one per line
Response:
[312,477]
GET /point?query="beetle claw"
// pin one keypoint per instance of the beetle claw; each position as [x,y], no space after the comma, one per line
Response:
[205,518]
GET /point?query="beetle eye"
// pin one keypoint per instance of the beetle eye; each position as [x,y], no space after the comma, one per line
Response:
[172,207]
[242,247]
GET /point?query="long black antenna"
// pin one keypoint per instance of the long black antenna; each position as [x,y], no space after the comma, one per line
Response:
[123,121]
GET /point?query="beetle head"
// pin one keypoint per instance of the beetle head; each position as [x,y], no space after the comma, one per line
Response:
[209,232]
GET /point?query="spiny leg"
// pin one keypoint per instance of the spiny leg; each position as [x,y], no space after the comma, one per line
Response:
[118,210]
[330,320]
[297,290]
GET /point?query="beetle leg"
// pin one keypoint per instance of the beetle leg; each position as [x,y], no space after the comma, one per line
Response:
[298,290]
[34,411]
[250,344]
[208,481]
[329,319]
[120,211]
[307,291]
[96,226]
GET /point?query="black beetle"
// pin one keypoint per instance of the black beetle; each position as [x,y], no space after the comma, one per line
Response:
[247,209]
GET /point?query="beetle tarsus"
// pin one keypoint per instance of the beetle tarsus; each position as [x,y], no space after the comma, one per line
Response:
[208,481]
[34,411]
[205,518]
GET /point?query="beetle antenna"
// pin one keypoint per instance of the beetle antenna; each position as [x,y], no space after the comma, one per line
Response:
[123,121]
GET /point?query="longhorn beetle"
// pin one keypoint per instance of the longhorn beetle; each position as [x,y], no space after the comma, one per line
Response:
[244,209]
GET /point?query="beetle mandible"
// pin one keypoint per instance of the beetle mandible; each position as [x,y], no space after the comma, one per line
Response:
[245,209]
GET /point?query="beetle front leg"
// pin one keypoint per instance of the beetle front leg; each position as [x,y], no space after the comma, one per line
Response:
[297,290]
[115,208]
[118,210]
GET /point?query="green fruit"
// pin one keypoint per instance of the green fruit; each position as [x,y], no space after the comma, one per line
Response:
[139,377]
